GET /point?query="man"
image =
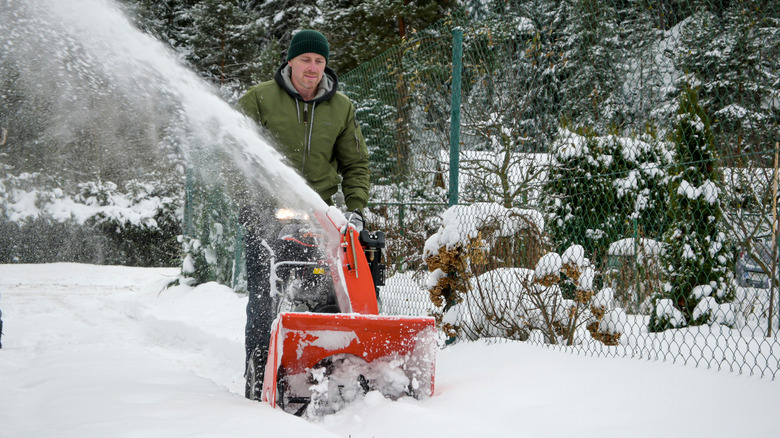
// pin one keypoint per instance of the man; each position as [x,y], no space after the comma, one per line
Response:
[314,127]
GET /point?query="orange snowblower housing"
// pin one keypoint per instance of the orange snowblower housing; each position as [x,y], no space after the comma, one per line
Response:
[318,362]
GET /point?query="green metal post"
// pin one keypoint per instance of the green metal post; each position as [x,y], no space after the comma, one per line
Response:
[774,275]
[457,67]
[401,217]
[188,211]
[636,263]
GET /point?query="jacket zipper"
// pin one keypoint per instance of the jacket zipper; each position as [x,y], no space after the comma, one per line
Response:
[305,125]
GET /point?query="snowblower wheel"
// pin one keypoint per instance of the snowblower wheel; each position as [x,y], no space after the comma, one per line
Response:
[253,389]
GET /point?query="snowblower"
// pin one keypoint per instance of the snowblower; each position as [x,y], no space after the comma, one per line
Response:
[320,362]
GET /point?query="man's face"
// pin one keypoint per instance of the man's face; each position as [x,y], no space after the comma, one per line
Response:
[307,70]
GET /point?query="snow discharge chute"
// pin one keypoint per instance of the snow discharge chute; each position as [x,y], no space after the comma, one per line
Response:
[319,362]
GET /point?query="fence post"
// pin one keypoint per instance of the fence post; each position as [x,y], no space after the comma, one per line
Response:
[401,217]
[457,66]
[188,210]
[775,243]
[637,281]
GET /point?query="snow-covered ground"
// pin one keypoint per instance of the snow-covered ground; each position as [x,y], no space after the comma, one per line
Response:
[101,351]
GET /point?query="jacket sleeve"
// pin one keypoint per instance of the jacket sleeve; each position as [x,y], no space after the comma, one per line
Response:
[248,105]
[352,158]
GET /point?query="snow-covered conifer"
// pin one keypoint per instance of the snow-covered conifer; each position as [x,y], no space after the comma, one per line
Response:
[696,251]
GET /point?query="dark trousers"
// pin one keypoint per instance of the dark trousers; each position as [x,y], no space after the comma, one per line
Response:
[259,310]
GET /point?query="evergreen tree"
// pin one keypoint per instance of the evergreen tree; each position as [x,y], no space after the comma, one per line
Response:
[382,24]
[696,260]
[579,198]
[278,21]
[600,186]
[223,40]
[587,66]
[541,115]
[507,78]
[167,20]
[723,53]
[642,185]
[377,122]
[644,71]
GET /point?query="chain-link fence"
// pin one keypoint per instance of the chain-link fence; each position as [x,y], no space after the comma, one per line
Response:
[614,176]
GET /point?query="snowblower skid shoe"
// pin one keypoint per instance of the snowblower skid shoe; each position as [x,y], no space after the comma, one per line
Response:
[319,362]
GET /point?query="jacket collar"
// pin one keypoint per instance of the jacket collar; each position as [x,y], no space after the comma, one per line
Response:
[327,88]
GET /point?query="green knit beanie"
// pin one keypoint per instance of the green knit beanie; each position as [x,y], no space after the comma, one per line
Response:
[308,41]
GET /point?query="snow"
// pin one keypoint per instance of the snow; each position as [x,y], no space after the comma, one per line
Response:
[549,264]
[574,255]
[625,247]
[110,48]
[97,351]
[614,321]
[718,313]
[605,298]
[460,223]
[665,308]
[328,340]
[701,291]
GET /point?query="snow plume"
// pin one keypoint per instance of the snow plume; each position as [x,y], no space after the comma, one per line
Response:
[89,52]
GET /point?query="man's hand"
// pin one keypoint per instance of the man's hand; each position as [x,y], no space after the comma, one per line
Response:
[355,218]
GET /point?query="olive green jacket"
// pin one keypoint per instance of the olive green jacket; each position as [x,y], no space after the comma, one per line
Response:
[320,138]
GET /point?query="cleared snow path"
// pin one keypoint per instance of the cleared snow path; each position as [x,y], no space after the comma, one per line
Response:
[85,355]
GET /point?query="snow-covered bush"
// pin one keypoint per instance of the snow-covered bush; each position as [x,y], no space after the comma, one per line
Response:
[43,221]
[473,240]
[554,303]
[560,296]
[602,186]
[142,221]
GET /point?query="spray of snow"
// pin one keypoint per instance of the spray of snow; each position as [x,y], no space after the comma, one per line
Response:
[93,43]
